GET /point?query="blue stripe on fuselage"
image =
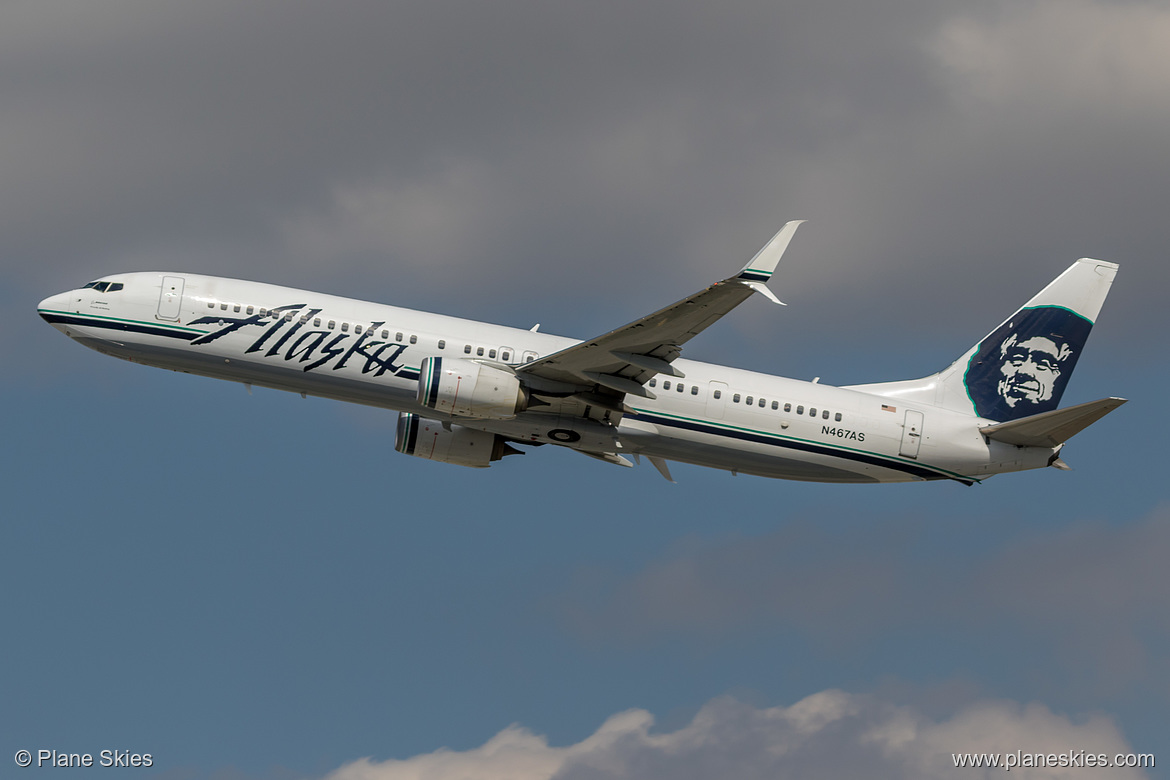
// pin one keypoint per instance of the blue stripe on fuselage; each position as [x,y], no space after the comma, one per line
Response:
[126,326]
[922,472]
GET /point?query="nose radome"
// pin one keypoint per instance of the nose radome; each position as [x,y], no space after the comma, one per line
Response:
[52,306]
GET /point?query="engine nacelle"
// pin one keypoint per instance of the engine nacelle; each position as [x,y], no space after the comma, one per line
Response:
[426,438]
[464,388]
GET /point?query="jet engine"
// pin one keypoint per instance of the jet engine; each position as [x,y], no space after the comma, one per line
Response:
[464,388]
[430,439]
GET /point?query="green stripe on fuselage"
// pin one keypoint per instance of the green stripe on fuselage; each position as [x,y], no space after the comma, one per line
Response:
[87,315]
[830,445]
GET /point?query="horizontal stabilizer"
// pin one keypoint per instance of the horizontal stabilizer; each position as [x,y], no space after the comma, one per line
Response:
[1049,429]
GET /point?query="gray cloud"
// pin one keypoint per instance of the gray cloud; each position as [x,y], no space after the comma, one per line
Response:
[1090,594]
[490,156]
[831,734]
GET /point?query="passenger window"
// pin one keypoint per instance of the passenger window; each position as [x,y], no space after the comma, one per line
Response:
[222,306]
[694,389]
[775,405]
[666,385]
[762,402]
[681,387]
[250,309]
[825,415]
[653,382]
[304,318]
[210,304]
[812,412]
[316,322]
[288,315]
[385,335]
[236,308]
[442,344]
[414,339]
[467,349]
[263,312]
[735,398]
[718,394]
[505,356]
[788,407]
[749,400]
[345,327]
[529,358]
[800,410]
[492,354]
[837,417]
[479,351]
[398,336]
[332,324]
[357,329]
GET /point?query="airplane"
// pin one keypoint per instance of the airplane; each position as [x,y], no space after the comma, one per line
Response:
[470,393]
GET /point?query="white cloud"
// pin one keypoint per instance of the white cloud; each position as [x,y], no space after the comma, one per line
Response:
[830,734]
[513,754]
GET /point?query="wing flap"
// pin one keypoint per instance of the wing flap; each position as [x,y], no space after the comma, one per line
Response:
[620,383]
[1050,429]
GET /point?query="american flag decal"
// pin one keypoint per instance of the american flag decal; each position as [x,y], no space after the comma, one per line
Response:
[886,408]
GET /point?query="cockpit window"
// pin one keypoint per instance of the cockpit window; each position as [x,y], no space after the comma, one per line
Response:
[104,286]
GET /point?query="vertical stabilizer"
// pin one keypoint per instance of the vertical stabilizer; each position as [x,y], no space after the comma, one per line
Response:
[1022,367]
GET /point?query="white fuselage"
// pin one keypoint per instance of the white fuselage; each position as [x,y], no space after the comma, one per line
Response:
[370,353]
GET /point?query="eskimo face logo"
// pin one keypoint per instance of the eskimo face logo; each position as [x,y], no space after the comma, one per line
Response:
[1022,368]
[1030,369]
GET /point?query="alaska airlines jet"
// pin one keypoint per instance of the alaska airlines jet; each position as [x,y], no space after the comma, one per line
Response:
[470,393]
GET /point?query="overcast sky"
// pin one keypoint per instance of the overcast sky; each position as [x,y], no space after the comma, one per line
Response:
[259,587]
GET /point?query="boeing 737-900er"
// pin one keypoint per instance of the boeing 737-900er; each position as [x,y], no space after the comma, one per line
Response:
[469,392]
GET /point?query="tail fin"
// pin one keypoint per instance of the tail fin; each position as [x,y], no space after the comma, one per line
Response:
[1022,367]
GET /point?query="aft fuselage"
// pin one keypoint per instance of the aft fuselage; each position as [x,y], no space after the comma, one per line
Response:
[370,353]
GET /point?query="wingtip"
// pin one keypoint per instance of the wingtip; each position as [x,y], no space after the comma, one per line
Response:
[763,265]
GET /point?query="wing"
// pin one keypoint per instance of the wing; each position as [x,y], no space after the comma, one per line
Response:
[601,371]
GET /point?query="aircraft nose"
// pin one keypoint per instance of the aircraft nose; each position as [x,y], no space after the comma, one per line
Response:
[52,307]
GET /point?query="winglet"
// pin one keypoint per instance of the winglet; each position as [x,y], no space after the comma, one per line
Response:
[763,290]
[763,265]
